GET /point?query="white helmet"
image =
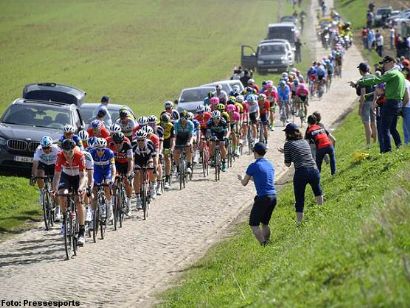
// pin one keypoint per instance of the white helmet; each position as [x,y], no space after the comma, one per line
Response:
[168,104]
[115,128]
[101,143]
[69,128]
[148,129]
[152,119]
[240,98]
[83,134]
[207,108]
[141,134]
[200,108]
[142,121]
[216,114]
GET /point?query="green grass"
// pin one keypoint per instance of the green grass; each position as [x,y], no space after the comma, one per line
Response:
[18,204]
[138,52]
[353,251]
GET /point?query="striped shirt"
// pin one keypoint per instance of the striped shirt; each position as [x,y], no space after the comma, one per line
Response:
[298,152]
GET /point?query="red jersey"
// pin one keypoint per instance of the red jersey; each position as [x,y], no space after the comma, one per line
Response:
[272,96]
[155,140]
[73,167]
[122,155]
[264,107]
[319,135]
[104,133]
[203,119]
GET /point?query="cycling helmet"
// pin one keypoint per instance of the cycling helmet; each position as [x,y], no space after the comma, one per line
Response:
[46,141]
[236,88]
[249,90]
[190,116]
[216,114]
[68,129]
[282,83]
[142,121]
[140,135]
[101,143]
[251,98]
[261,97]
[152,119]
[124,113]
[101,113]
[230,108]
[294,70]
[147,129]
[96,124]
[68,144]
[285,75]
[200,108]
[83,134]
[218,87]
[207,108]
[220,107]
[118,137]
[240,98]
[214,100]
[168,104]
[251,81]
[165,118]
[231,100]
[114,128]
[184,114]
[296,82]
[91,142]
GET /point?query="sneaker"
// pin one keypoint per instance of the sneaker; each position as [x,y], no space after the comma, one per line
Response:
[58,215]
[139,203]
[89,214]
[188,170]
[81,240]
[159,193]
[128,210]
[152,192]
[167,186]
[223,169]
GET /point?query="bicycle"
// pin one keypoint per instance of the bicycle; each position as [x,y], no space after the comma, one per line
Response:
[47,201]
[100,215]
[71,224]
[119,206]
[144,192]
[230,154]
[261,132]
[218,160]
[283,113]
[204,155]
[182,175]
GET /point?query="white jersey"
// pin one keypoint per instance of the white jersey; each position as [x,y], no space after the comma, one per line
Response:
[253,107]
[46,158]
[128,127]
[89,162]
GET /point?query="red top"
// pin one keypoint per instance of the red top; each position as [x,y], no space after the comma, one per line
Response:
[72,167]
[264,107]
[203,119]
[319,135]
[155,140]
[103,133]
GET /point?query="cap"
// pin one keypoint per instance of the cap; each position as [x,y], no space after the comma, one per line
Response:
[363,67]
[105,99]
[291,127]
[387,59]
[259,148]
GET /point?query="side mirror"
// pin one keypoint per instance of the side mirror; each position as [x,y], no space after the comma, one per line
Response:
[176,102]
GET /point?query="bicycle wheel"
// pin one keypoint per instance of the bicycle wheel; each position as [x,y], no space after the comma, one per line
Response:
[144,200]
[218,162]
[103,222]
[46,213]
[96,223]
[67,236]
[116,207]
[74,228]
[181,174]
[121,211]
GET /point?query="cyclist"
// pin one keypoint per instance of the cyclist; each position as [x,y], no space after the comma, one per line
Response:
[217,130]
[144,154]
[252,84]
[104,172]
[253,109]
[126,122]
[224,114]
[302,98]
[173,113]
[219,93]
[264,108]
[68,133]
[159,131]
[124,161]
[114,128]
[158,174]
[184,131]
[235,91]
[202,117]
[69,173]
[321,77]
[97,129]
[195,137]
[44,161]
[272,96]
[329,70]
[213,102]
[312,77]
[284,97]
[168,145]
[244,119]
[234,117]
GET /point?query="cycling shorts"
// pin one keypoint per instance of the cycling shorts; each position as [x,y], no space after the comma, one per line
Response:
[320,77]
[264,119]
[181,141]
[121,168]
[252,117]
[69,182]
[219,137]
[143,162]
[48,169]
[102,177]
[167,143]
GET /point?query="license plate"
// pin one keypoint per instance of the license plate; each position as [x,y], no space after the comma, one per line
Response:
[23,159]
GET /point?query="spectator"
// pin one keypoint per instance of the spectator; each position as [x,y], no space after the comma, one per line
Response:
[370,39]
[379,43]
[105,100]
[298,53]
[392,37]
[378,101]
[297,151]
[369,19]
[246,76]
[394,91]
[324,144]
[406,108]
[371,6]
[365,31]
[366,111]
[262,173]
[237,73]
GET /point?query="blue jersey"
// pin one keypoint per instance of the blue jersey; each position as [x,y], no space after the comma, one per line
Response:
[75,138]
[181,131]
[321,72]
[102,164]
[284,93]
[312,72]
[197,125]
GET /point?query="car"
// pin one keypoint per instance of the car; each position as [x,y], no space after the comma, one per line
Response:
[289,49]
[87,111]
[381,15]
[227,85]
[23,124]
[190,98]
[291,19]
[284,30]
[51,91]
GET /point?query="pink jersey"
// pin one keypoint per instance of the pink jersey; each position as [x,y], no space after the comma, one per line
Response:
[234,117]
[302,90]
[271,95]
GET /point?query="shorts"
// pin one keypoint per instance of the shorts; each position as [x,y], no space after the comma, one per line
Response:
[320,77]
[102,177]
[252,117]
[304,99]
[69,182]
[264,119]
[142,162]
[219,137]
[262,210]
[48,169]
[181,141]
[167,143]
[367,113]
[121,168]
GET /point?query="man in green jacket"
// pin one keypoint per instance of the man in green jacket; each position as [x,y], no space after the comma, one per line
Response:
[394,92]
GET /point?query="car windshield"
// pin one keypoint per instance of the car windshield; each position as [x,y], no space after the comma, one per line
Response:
[282,33]
[272,50]
[88,112]
[194,95]
[383,11]
[36,115]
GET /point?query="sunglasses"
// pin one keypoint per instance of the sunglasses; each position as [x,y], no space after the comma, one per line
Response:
[68,151]
[141,139]
[46,148]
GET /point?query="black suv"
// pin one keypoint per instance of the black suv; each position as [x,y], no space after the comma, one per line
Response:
[44,110]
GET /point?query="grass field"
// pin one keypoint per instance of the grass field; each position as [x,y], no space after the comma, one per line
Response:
[352,252]
[138,52]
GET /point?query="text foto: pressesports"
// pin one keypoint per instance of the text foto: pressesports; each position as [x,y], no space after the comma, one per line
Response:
[27,303]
